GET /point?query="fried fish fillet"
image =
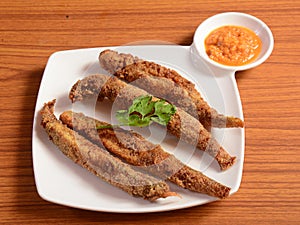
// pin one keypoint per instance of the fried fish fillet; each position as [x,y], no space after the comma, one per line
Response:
[136,150]
[165,83]
[99,162]
[182,125]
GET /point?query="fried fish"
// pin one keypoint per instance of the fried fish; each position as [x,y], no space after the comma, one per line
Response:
[182,125]
[136,150]
[165,83]
[99,162]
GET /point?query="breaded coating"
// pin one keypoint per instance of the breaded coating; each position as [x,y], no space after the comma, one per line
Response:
[136,150]
[165,83]
[182,125]
[113,61]
[99,162]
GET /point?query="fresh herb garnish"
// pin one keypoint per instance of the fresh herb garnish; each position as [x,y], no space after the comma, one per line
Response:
[143,112]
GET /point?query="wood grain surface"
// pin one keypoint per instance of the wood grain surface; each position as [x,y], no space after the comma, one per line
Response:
[30,31]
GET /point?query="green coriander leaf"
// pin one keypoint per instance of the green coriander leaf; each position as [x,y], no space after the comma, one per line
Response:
[135,120]
[143,112]
[164,111]
[158,120]
[122,116]
[122,111]
[142,105]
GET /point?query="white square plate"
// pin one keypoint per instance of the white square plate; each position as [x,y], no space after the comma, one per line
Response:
[61,181]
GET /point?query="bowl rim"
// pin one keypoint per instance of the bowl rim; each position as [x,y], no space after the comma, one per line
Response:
[198,33]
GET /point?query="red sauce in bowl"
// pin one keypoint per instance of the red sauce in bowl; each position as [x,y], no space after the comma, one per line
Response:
[233,45]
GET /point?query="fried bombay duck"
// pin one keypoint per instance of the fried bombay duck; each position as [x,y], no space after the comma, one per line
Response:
[165,83]
[181,124]
[99,162]
[136,150]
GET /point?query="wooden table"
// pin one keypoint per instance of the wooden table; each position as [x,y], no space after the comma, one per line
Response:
[31,30]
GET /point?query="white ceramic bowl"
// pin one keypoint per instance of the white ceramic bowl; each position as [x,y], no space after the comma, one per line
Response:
[237,19]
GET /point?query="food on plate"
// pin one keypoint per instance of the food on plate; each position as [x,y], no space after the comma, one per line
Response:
[182,125]
[165,83]
[144,111]
[99,162]
[136,150]
[233,45]
[112,61]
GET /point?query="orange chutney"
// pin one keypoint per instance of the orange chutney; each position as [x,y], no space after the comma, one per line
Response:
[233,45]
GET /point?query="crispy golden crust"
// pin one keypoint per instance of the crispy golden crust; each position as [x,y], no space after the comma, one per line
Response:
[136,150]
[100,162]
[182,125]
[183,94]
[112,61]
